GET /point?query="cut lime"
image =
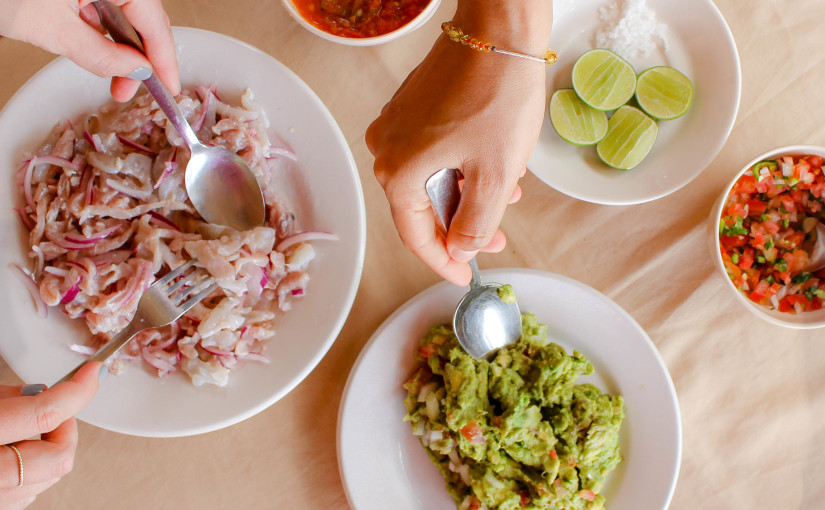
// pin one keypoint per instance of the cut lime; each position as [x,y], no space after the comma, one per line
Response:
[574,121]
[664,93]
[630,136]
[603,79]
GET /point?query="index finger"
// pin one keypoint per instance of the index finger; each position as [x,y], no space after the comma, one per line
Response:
[152,23]
[23,417]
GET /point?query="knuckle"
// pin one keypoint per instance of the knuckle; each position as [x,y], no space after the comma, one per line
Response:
[63,464]
[104,67]
[47,417]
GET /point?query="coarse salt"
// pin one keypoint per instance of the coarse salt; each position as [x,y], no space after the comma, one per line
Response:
[630,29]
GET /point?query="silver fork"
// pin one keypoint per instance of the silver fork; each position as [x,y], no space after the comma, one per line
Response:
[162,303]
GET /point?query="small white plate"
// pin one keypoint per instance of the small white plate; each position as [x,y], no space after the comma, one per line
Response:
[323,188]
[699,44]
[384,466]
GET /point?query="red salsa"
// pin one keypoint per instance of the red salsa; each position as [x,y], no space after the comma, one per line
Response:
[768,229]
[360,18]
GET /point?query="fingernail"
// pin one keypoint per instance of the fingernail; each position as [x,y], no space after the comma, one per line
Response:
[141,73]
[31,390]
[463,256]
[104,371]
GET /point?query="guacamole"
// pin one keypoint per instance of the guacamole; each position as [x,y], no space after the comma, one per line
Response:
[515,432]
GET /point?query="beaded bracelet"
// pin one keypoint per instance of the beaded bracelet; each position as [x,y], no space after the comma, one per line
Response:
[457,35]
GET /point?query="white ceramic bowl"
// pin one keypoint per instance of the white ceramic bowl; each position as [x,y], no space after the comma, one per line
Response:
[323,188]
[805,320]
[412,25]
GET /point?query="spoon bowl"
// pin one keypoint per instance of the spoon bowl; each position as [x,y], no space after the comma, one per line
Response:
[482,321]
[222,187]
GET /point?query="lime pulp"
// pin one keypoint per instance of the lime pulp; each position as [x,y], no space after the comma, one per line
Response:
[574,121]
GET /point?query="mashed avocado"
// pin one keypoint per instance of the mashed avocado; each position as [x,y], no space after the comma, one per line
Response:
[516,432]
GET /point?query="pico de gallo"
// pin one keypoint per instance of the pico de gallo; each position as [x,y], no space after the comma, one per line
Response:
[767,231]
[360,18]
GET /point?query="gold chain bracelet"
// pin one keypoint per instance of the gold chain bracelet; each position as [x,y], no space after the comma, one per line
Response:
[457,35]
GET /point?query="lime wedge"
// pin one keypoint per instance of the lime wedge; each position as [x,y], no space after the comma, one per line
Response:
[664,93]
[630,136]
[574,121]
[603,79]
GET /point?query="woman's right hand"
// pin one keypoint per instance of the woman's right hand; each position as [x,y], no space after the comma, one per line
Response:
[50,415]
[72,28]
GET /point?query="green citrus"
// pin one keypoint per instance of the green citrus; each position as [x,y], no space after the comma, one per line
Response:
[664,93]
[630,136]
[603,79]
[574,121]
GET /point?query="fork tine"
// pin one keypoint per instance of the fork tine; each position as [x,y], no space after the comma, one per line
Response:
[197,298]
[177,272]
[188,291]
[189,280]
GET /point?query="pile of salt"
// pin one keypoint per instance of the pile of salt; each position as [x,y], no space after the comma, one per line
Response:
[631,31]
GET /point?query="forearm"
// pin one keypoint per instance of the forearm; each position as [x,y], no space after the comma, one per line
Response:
[518,25]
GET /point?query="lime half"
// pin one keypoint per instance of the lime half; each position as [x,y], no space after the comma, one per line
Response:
[603,79]
[630,136]
[574,121]
[664,93]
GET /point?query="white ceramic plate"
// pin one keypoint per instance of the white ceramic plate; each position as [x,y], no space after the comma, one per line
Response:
[700,44]
[384,466]
[324,189]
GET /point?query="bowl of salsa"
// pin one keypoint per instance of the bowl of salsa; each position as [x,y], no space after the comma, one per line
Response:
[361,22]
[763,230]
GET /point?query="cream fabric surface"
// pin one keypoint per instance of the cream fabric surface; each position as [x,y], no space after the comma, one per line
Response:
[752,395]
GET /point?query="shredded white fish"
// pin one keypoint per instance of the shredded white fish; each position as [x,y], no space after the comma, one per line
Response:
[107,213]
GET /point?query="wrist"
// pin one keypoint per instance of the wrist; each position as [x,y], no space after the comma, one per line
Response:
[520,25]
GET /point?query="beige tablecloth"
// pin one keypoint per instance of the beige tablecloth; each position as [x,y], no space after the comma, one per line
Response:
[752,395]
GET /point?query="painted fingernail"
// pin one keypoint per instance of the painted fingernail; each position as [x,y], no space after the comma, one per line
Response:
[463,256]
[141,73]
[31,390]
[104,371]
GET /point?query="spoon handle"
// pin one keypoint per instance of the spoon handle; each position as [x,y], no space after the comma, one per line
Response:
[442,188]
[114,21]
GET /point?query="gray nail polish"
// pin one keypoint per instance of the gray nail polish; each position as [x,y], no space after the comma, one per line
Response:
[141,73]
[104,371]
[31,390]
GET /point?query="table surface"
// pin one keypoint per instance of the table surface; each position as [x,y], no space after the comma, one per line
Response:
[752,395]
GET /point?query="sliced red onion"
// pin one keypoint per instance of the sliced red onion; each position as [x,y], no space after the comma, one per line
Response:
[88,241]
[283,151]
[166,222]
[128,190]
[160,364]
[298,292]
[82,349]
[204,108]
[56,161]
[27,185]
[25,218]
[216,351]
[168,167]
[111,257]
[94,140]
[57,271]
[27,280]
[303,237]
[163,345]
[134,145]
[256,356]
[71,293]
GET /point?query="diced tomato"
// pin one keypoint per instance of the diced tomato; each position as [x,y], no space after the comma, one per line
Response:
[757,207]
[553,454]
[427,350]
[785,305]
[475,504]
[746,259]
[736,210]
[473,433]
[587,495]
[800,299]
[524,498]
[815,161]
[760,292]
[745,184]
[733,241]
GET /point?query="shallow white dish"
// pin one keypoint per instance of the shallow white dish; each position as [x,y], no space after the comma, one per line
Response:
[384,466]
[323,188]
[700,44]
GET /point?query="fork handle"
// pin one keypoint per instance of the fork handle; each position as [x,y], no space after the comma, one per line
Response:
[112,346]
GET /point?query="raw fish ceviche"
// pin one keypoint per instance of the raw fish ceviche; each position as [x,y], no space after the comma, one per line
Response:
[767,230]
[107,213]
[515,432]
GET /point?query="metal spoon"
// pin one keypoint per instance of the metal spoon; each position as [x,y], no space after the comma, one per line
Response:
[220,184]
[817,257]
[482,321]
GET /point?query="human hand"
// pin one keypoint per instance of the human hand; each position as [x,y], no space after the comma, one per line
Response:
[72,28]
[51,415]
[478,112]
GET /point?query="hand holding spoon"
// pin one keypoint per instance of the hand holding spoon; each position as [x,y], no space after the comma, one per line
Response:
[220,184]
[482,321]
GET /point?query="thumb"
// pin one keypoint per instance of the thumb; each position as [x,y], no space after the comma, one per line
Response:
[92,51]
[483,200]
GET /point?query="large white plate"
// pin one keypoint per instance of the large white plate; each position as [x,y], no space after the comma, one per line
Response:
[324,189]
[700,44]
[384,466]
